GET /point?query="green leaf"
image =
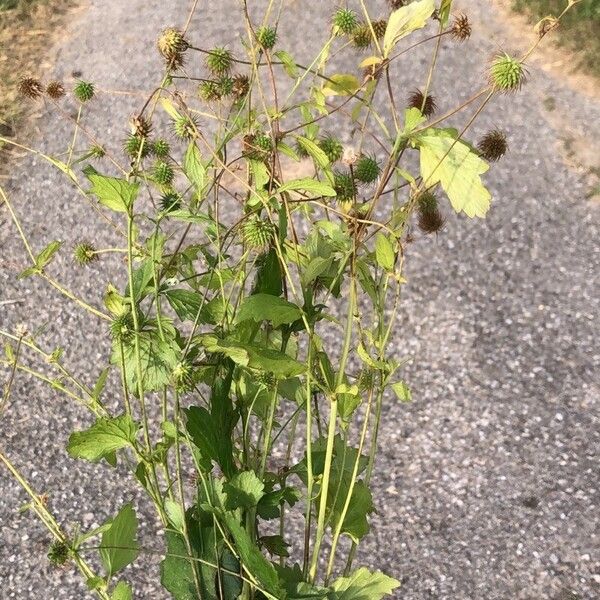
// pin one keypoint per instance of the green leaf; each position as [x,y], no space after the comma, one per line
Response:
[100,383]
[103,438]
[177,571]
[308,184]
[317,155]
[364,585]
[47,254]
[402,391]
[118,547]
[444,12]
[193,167]
[341,84]
[453,164]
[405,20]
[187,304]
[122,591]
[116,194]
[275,545]
[413,117]
[288,63]
[384,252]
[264,307]
[244,490]
[355,524]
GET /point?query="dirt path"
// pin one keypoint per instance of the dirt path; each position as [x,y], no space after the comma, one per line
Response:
[488,483]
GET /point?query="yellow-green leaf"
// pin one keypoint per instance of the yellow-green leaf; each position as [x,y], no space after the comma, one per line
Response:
[405,20]
[457,168]
[341,84]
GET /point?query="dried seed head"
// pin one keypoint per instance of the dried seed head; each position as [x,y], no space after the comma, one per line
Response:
[135,146]
[362,37]
[140,126]
[366,169]
[185,127]
[431,219]
[507,74]
[83,91]
[160,148]
[395,4]
[493,146]
[379,28]
[332,148]
[344,186]
[241,86]
[59,553]
[219,61]
[461,28]
[350,156]
[257,233]
[267,37]
[170,201]
[84,253]
[345,20]
[163,173]
[30,88]
[172,44]
[55,90]
[426,105]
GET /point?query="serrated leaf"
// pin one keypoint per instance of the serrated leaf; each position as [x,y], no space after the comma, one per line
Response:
[405,20]
[244,490]
[384,252]
[341,84]
[288,63]
[122,591]
[308,184]
[46,255]
[118,547]
[457,168]
[364,585]
[112,192]
[355,524]
[275,545]
[103,438]
[264,307]
[402,391]
[317,155]
[193,167]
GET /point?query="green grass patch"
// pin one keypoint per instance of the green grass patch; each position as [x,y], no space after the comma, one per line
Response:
[579,31]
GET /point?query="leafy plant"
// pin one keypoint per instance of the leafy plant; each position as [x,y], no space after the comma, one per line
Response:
[261,291]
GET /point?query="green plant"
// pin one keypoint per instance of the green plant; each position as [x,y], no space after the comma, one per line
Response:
[230,321]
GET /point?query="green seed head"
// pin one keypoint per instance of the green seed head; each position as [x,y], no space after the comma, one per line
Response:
[332,148]
[122,328]
[257,233]
[225,85]
[160,148]
[362,37]
[183,376]
[169,202]
[257,146]
[507,73]
[219,61]
[209,91]
[97,151]
[185,127]
[163,173]
[345,20]
[344,186]
[83,91]
[133,144]
[267,37]
[366,169]
[59,553]
[84,253]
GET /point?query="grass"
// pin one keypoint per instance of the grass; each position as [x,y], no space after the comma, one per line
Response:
[580,30]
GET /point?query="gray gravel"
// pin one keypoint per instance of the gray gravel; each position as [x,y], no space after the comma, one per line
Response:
[488,482]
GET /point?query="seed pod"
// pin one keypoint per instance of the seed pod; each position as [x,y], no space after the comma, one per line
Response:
[83,91]
[493,146]
[30,88]
[461,28]
[345,20]
[426,105]
[219,61]
[84,253]
[366,169]
[507,74]
[332,148]
[267,37]
[55,90]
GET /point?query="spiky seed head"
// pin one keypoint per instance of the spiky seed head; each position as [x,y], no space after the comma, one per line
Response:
[97,151]
[83,91]
[183,376]
[344,186]
[379,28]
[366,169]
[84,253]
[163,173]
[507,74]
[172,44]
[430,219]
[267,37]
[427,105]
[266,379]
[135,146]
[241,86]
[209,91]
[55,90]
[160,148]
[332,148]
[257,233]
[493,145]
[257,146]
[362,37]
[169,202]
[395,4]
[59,553]
[140,126]
[30,87]
[219,61]
[225,85]
[345,20]
[185,127]
[122,328]
[461,28]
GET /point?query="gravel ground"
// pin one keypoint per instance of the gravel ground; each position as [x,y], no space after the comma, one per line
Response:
[488,482]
